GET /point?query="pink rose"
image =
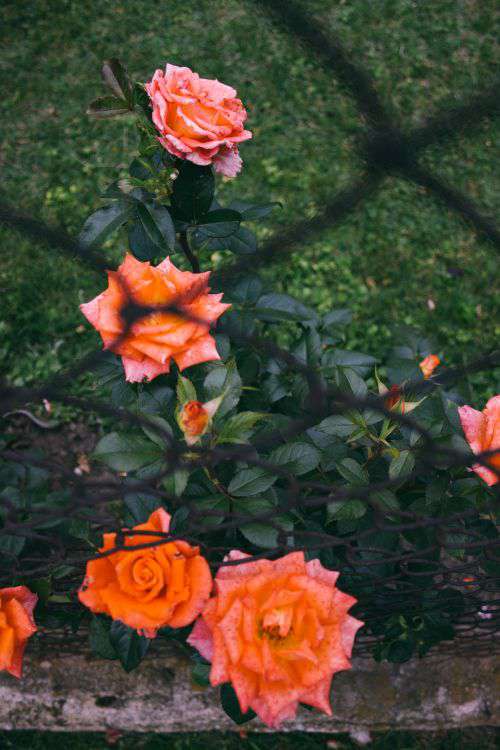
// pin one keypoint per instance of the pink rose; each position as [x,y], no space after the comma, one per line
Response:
[482,432]
[199,119]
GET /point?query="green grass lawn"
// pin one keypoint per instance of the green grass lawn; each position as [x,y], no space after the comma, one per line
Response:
[393,260]
[471,739]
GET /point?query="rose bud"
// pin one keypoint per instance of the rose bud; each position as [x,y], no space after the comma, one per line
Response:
[429,364]
[194,418]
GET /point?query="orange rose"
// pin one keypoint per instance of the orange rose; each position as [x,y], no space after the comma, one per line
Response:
[429,364]
[278,631]
[152,341]
[16,626]
[199,119]
[482,431]
[148,588]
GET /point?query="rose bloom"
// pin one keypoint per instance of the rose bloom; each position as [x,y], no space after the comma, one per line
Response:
[148,588]
[278,631]
[16,626]
[482,431]
[199,119]
[429,364]
[155,339]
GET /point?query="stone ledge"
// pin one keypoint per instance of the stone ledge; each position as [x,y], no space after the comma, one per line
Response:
[72,693]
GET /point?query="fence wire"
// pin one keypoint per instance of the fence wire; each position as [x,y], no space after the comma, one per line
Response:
[387,147]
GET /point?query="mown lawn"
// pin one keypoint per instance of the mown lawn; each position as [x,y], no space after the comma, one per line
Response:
[482,738]
[400,259]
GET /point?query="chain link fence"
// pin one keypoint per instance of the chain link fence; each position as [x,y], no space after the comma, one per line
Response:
[413,581]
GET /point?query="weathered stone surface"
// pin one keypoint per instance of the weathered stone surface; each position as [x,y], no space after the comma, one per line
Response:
[74,693]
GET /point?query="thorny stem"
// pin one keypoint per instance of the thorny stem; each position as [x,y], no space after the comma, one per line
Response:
[195,264]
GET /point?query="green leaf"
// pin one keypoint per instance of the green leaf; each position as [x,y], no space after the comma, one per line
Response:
[141,505]
[185,390]
[219,224]
[176,482]
[248,482]
[352,471]
[239,427]
[126,452]
[218,503]
[278,307]
[116,78]
[351,381]
[103,222]
[42,587]
[360,363]
[386,499]
[157,225]
[200,673]
[337,318]
[262,533]
[242,242]
[161,435]
[79,529]
[402,465]
[129,646]
[107,106]
[11,545]
[231,706]
[346,510]
[179,521]
[193,192]
[247,290]
[224,379]
[254,211]
[296,458]
[99,640]
[274,388]
[339,425]
[155,401]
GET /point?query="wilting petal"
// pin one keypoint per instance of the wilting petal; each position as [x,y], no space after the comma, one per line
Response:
[201,639]
[228,162]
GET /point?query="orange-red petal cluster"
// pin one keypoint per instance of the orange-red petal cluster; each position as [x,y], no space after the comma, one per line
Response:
[151,342]
[193,419]
[16,626]
[278,631]
[482,431]
[148,588]
[429,364]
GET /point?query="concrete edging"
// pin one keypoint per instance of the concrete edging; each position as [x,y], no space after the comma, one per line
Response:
[74,693]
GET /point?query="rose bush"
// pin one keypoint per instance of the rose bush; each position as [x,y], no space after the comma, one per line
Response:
[316,460]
